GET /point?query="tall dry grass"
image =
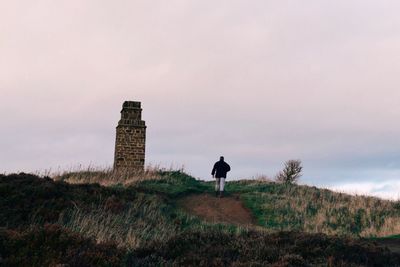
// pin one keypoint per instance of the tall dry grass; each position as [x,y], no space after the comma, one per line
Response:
[142,221]
[108,176]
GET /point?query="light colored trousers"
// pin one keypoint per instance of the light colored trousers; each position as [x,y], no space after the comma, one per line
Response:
[219,184]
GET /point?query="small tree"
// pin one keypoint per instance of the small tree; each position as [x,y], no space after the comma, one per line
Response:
[291,172]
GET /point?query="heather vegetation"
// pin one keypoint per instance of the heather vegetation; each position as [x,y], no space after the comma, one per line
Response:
[136,220]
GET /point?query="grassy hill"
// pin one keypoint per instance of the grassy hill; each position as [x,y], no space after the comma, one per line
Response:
[139,222]
[314,210]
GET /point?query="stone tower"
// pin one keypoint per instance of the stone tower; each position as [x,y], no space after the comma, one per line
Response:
[131,139]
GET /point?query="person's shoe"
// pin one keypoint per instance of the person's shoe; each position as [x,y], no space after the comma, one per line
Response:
[221,194]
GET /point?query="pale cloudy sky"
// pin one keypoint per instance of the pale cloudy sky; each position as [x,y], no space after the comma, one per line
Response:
[257,81]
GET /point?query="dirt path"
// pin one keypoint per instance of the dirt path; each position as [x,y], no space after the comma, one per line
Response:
[227,209]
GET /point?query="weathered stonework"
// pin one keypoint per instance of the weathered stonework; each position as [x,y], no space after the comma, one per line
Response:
[130,139]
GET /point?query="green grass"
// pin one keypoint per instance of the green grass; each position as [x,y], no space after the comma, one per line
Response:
[174,184]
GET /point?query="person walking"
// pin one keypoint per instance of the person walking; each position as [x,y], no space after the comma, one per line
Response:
[219,171]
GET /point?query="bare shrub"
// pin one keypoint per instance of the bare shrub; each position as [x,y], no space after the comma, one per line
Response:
[291,173]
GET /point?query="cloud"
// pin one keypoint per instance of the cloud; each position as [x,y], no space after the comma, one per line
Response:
[385,189]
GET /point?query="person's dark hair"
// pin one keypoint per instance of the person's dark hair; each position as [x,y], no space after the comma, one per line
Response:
[221,158]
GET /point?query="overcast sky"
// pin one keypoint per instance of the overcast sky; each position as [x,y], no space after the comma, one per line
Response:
[259,82]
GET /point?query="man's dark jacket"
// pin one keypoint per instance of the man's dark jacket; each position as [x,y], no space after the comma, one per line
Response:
[220,169]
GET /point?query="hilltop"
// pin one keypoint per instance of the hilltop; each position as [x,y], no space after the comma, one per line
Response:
[156,221]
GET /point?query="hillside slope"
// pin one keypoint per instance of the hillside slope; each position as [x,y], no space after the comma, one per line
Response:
[314,210]
[44,223]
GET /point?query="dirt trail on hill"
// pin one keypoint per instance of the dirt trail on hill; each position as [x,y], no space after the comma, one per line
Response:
[213,209]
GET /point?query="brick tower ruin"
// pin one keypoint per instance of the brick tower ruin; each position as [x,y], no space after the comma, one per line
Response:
[130,139]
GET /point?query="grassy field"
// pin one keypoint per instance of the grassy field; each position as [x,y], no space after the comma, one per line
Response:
[135,221]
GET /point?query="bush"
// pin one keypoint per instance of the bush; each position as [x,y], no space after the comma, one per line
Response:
[27,199]
[291,173]
[52,245]
[252,248]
